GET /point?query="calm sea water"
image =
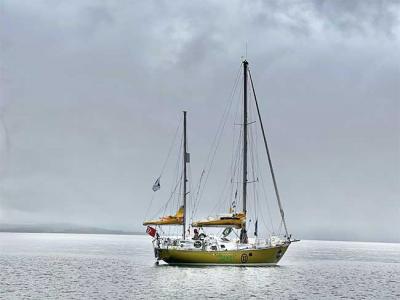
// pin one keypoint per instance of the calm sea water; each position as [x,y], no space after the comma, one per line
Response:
[72,266]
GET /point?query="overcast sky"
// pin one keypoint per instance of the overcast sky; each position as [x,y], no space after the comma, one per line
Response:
[91,93]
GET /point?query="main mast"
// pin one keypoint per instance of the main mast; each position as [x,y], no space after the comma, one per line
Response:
[243,234]
[185,160]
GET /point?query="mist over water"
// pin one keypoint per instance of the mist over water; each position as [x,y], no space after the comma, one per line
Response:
[72,266]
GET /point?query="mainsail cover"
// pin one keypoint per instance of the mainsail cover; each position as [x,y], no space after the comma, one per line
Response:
[176,219]
[236,220]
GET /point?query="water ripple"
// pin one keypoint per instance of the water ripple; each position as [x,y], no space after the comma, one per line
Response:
[58,266]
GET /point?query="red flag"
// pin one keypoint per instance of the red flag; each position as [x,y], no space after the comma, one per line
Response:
[151,231]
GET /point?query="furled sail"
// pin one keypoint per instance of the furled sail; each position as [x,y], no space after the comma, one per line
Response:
[176,219]
[236,220]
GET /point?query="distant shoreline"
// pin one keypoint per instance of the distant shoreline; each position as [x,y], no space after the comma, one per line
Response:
[75,232]
[121,232]
[62,228]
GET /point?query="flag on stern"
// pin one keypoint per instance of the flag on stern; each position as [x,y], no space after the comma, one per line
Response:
[151,231]
[156,185]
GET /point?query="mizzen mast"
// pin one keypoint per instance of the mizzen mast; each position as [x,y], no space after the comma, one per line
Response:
[185,161]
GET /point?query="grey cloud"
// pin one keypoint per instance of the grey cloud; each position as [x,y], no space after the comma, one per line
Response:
[92,92]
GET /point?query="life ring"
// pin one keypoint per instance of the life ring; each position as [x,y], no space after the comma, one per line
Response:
[197,244]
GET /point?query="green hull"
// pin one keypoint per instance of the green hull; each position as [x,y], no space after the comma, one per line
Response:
[247,257]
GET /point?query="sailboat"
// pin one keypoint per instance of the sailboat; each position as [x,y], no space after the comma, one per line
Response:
[232,246]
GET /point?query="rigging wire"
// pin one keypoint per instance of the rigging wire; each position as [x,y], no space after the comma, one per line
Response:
[197,194]
[252,164]
[216,141]
[269,160]
[263,184]
[179,171]
[164,207]
[189,191]
[164,166]
[230,179]
[259,171]
[149,206]
[236,169]
[170,147]
[178,179]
